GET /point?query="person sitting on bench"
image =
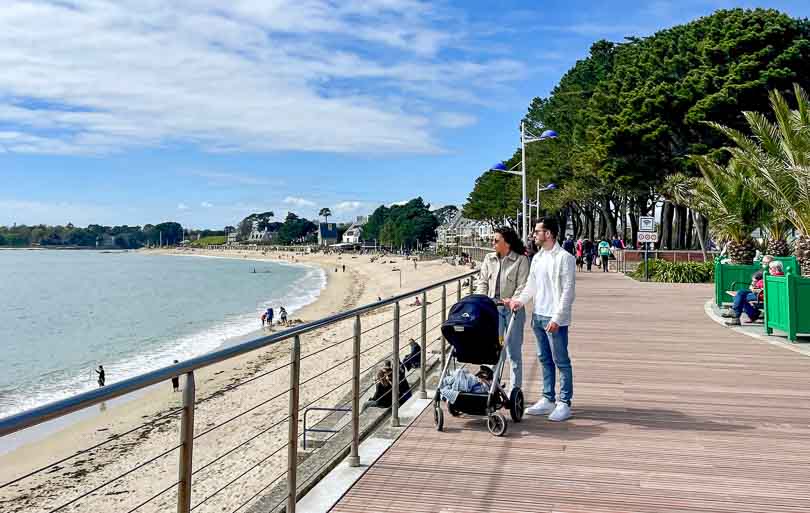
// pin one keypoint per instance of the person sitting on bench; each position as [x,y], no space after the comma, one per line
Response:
[743,300]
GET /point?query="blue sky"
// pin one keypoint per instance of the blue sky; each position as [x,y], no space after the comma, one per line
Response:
[142,111]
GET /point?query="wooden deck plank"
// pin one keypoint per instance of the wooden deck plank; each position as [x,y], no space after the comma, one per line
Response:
[672,413]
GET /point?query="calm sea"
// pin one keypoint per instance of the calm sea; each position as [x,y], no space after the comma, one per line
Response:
[62,313]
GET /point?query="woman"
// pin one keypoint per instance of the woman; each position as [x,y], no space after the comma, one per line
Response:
[503,275]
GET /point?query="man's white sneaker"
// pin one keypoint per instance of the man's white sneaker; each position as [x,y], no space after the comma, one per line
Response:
[560,413]
[542,407]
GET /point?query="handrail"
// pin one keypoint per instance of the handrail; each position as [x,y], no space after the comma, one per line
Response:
[38,415]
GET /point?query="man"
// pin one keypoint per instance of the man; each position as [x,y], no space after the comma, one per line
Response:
[551,285]
[568,245]
[503,275]
[102,377]
[269,315]
[604,254]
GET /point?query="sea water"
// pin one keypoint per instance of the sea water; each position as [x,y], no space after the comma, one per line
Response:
[62,313]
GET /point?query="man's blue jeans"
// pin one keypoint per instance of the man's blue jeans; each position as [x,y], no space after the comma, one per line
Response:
[514,346]
[741,304]
[552,349]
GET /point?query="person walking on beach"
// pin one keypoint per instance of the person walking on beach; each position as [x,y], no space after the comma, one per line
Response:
[282,314]
[503,275]
[176,381]
[101,376]
[551,285]
[269,316]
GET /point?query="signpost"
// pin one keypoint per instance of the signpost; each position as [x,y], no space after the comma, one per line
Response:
[646,237]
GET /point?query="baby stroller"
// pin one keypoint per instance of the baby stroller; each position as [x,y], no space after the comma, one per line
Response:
[472,330]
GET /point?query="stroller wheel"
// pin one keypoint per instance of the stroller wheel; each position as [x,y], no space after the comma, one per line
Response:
[438,416]
[516,404]
[496,423]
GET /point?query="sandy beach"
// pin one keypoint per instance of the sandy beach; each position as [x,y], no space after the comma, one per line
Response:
[247,387]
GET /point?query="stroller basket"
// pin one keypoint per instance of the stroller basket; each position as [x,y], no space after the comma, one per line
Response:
[472,329]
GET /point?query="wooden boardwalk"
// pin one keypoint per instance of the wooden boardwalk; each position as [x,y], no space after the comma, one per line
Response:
[672,412]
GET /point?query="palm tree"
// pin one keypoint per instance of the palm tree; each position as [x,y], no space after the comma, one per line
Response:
[778,156]
[721,195]
[325,212]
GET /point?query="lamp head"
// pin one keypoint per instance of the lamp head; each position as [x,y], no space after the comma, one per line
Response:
[549,134]
[500,166]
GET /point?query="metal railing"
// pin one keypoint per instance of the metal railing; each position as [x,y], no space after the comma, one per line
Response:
[299,399]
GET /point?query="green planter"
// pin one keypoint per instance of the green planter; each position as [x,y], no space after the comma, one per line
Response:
[787,304]
[735,277]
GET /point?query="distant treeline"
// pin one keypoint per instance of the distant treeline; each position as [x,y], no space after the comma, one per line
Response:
[94,235]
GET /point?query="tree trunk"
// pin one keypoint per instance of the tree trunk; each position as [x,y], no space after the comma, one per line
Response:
[665,229]
[690,228]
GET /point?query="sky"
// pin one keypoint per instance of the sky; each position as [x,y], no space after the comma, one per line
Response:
[202,112]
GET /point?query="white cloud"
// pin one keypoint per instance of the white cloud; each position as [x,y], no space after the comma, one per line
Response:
[205,204]
[398,203]
[182,206]
[348,206]
[98,76]
[298,202]
[455,119]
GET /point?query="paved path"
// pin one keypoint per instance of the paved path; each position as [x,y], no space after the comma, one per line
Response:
[672,413]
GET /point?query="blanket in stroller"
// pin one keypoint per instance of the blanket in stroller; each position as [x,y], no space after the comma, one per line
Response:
[460,381]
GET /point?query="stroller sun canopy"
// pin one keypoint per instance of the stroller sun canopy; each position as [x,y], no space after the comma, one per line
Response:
[472,329]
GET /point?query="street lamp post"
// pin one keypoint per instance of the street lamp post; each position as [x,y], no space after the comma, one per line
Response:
[525,138]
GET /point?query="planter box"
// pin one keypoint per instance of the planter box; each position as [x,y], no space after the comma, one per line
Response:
[787,304]
[735,277]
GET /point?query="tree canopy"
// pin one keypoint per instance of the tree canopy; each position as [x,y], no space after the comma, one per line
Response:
[402,224]
[634,112]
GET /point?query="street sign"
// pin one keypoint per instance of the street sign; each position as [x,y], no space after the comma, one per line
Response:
[646,224]
[648,236]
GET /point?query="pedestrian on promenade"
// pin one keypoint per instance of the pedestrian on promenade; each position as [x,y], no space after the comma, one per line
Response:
[590,253]
[102,377]
[503,275]
[604,254]
[551,285]
[568,245]
[176,381]
[580,259]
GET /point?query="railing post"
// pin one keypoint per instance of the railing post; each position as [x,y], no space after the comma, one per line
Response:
[187,448]
[423,373]
[292,438]
[395,364]
[458,292]
[354,456]
[471,285]
[444,318]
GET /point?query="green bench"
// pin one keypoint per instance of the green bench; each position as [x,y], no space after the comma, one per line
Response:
[732,277]
[787,304]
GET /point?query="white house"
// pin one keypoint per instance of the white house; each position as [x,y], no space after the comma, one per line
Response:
[461,230]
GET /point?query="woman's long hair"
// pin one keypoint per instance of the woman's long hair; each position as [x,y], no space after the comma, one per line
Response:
[512,239]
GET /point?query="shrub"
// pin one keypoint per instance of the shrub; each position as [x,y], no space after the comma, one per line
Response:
[663,271]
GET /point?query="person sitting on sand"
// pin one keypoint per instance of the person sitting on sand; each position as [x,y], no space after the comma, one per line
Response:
[384,388]
[414,358]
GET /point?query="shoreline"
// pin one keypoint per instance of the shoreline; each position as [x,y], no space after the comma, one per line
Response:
[37,433]
[218,397]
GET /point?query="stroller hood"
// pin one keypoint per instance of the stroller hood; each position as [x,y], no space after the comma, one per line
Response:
[472,329]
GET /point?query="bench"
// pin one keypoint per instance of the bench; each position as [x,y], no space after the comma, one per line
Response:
[734,276]
[787,304]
